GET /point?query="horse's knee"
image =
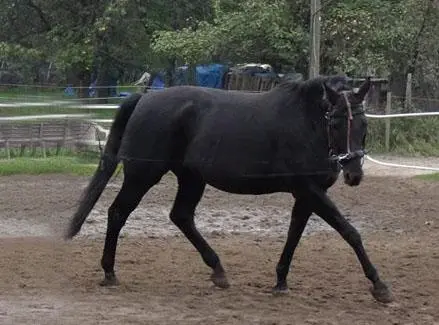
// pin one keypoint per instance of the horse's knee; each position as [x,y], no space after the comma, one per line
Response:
[181,218]
[116,219]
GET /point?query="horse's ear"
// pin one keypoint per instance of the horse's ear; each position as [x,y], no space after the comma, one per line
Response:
[364,89]
[331,94]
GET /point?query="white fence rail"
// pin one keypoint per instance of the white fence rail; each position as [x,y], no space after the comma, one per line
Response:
[115,106]
[43,117]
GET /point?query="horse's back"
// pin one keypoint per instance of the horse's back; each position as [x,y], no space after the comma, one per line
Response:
[166,122]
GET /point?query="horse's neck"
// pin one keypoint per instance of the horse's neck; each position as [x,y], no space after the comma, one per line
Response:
[320,128]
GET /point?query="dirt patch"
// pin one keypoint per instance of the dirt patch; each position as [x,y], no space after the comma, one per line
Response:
[164,281]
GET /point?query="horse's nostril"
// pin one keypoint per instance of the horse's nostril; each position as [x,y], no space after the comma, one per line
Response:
[352,178]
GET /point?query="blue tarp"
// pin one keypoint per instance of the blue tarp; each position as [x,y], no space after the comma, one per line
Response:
[206,75]
[210,75]
[158,82]
[69,91]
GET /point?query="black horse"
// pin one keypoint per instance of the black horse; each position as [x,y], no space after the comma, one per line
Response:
[295,138]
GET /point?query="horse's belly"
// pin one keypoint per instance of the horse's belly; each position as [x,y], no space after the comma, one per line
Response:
[250,185]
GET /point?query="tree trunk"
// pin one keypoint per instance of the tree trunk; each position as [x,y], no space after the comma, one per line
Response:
[169,77]
[102,81]
[83,82]
[192,74]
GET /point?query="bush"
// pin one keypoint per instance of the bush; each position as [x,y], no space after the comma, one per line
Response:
[10,77]
[417,136]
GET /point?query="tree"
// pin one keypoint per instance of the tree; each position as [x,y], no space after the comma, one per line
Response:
[83,38]
[252,30]
[109,39]
[387,38]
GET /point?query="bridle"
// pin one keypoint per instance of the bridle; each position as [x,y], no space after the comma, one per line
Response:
[343,158]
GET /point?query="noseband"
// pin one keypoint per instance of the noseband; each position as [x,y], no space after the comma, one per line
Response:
[343,158]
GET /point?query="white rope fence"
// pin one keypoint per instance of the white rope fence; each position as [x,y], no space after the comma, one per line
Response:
[60,103]
[378,162]
[380,116]
[43,117]
[388,164]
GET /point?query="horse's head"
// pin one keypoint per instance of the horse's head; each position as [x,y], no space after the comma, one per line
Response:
[347,129]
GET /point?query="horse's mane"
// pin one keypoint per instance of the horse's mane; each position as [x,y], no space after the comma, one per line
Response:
[339,83]
[308,95]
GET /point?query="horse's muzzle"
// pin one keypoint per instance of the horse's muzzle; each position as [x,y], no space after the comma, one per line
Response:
[351,164]
[352,178]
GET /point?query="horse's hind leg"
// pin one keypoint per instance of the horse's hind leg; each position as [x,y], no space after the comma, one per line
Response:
[190,191]
[134,187]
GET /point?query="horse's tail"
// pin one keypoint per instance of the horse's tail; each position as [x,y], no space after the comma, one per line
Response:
[107,165]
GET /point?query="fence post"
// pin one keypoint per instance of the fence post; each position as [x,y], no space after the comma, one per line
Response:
[43,144]
[8,151]
[408,94]
[387,120]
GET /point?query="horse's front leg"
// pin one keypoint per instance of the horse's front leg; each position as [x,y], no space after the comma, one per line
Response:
[299,218]
[326,209]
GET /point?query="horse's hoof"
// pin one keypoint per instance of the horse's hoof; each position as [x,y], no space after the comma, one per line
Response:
[382,293]
[220,280]
[280,290]
[110,280]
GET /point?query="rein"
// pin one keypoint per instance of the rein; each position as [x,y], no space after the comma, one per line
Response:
[343,158]
[350,118]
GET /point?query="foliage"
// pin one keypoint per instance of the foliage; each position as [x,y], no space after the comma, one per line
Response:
[190,45]
[408,136]
[124,37]
[385,38]
[16,51]
[254,31]
[351,39]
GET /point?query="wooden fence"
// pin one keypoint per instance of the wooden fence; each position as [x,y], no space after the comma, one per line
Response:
[47,134]
[248,82]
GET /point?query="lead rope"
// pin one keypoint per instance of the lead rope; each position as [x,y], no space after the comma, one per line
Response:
[350,118]
[328,132]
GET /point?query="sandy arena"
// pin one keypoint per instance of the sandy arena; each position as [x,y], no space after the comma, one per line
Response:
[45,280]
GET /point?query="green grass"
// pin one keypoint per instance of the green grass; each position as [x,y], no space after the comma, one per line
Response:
[78,164]
[434,177]
[29,93]
[52,165]
[408,136]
